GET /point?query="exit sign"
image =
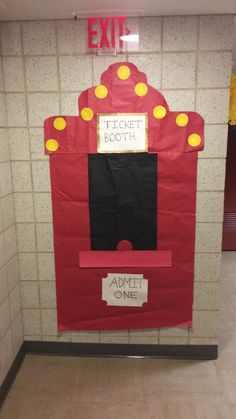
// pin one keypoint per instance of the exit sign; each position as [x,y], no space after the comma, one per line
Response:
[107,32]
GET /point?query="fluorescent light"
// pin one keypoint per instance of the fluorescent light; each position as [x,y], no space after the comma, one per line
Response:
[130,38]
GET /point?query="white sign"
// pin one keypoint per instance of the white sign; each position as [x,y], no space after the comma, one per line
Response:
[125,290]
[122,133]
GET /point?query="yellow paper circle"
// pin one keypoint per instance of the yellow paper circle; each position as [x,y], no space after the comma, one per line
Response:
[159,112]
[101,91]
[141,89]
[87,114]
[123,72]
[194,140]
[182,119]
[52,145]
[59,123]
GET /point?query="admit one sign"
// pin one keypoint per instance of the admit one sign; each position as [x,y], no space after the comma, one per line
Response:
[122,132]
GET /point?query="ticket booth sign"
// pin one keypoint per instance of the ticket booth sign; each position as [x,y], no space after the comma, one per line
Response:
[123,177]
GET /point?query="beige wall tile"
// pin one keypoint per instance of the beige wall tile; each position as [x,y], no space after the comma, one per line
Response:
[31,321]
[8,215]
[10,242]
[3,285]
[15,302]
[4,317]
[204,324]
[12,273]
[149,34]
[17,334]
[29,294]
[44,237]
[113,339]
[64,337]
[47,294]
[203,341]
[2,251]
[16,110]
[210,206]
[41,74]
[41,106]
[41,177]
[214,69]
[1,76]
[216,32]
[5,179]
[5,153]
[69,103]
[145,340]
[37,144]
[174,332]
[28,266]
[24,207]
[179,100]
[25,237]
[207,266]
[21,173]
[39,37]
[49,322]
[43,207]
[100,64]
[180,33]
[5,354]
[46,266]
[11,40]
[89,337]
[171,340]
[206,296]
[215,141]
[70,67]
[213,105]
[72,36]
[150,65]
[178,70]
[3,115]
[208,237]
[19,143]
[143,332]
[13,74]
[211,175]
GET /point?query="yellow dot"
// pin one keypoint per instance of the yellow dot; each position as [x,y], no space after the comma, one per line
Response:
[159,112]
[141,89]
[182,119]
[87,114]
[194,140]
[52,145]
[101,91]
[59,123]
[123,72]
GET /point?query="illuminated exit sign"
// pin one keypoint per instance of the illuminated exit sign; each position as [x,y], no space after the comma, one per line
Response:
[108,32]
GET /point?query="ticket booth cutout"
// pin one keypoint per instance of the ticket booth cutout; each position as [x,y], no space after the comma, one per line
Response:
[123,179]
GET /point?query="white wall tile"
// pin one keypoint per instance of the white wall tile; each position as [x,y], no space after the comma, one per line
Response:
[8,215]
[15,302]
[3,285]
[214,69]
[43,207]
[16,110]
[10,242]
[39,37]
[211,175]
[28,266]
[206,296]
[1,76]
[41,74]
[145,340]
[13,74]
[174,332]
[24,210]
[41,106]
[21,173]
[11,40]
[3,115]
[4,317]
[5,179]
[69,104]
[12,273]
[173,340]
[150,65]
[47,294]
[29,294]
[92,337]
[37,144]
[216,32]
[210,206]
[5,354]
[46,266]
[17,334]
[19,143]
[41,177]
[2,251]
[75,72]
[178,70]
[5,154]
[207,266]
[208,237]
[179,100]
[101,64]
[25,237]
[149,34]
[72,36]
[215,141]
[180,33]
[31,321]
[49,322]
[44,237]
[213,105]
[204,324]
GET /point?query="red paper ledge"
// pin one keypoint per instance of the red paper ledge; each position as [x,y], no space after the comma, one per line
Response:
[125,259]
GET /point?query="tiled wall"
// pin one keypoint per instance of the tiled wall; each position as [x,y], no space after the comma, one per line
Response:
[11,330]
[45,66]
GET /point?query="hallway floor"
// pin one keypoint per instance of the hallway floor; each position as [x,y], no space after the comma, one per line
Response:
[88,388]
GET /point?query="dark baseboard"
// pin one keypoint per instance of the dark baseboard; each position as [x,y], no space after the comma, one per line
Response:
[11,375]
[197,352]
[106,349]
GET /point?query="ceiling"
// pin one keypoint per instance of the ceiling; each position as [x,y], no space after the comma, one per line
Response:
[63,9]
